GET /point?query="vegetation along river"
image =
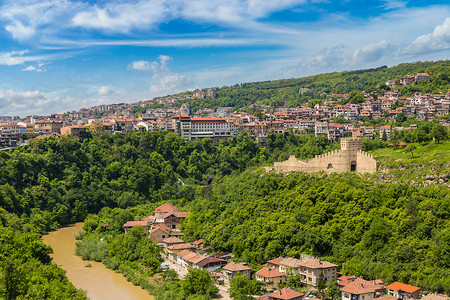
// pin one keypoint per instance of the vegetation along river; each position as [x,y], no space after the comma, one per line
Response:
[100,282]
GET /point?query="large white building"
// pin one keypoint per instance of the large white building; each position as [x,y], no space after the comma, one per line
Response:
[9,134]
[199,128]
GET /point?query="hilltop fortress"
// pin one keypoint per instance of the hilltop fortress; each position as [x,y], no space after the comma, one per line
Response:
[350,158]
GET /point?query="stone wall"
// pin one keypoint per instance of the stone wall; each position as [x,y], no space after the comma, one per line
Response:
[350,158]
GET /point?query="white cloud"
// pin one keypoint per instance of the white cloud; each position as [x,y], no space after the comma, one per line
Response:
[37,68]
[104,90]
[140,65]
[164,81]
[394,4]
[438,40]
[329,56]
[16,103]
[122,17]
[26,18]
[30,68]
[372,52]
[13,58]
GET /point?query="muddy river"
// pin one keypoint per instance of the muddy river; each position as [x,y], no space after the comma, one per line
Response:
[99,282]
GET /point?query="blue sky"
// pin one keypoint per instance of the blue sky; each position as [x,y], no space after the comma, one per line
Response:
[61,55]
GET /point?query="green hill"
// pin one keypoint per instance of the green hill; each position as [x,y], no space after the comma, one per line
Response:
[286,91]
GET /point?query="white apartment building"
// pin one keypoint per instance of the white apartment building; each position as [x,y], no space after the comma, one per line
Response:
[199,128]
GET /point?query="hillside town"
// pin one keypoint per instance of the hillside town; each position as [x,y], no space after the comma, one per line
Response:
[164,228]
[329,118]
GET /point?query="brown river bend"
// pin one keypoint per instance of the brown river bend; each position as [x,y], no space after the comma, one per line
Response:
[99,282]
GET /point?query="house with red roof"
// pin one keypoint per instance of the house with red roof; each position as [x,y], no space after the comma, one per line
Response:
[360,289]
[285,294]
[211,264]
[130,224]
[172,251]
[161,210]
[159,233]
[403,290]
[310,271]
[270,279]
[234,269]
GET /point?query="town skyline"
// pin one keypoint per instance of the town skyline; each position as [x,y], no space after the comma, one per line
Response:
[59,56]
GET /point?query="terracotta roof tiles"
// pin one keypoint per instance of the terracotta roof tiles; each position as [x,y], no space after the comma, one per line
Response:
[402,286]
[285,294]
[268,273]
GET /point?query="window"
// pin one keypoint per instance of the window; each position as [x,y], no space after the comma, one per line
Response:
[163,236]
[174,226]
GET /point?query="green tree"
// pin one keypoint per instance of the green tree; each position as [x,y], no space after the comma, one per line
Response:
[439,133]
[356,97]
[333,291]
[198,281]
[410,148]
[12,280]
[384,136]
[242,288]
[321,283]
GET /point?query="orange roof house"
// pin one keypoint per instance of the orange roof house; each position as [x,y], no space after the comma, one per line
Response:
[270,279]
[285,294]
[403,290]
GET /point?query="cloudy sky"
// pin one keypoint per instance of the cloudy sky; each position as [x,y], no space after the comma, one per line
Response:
[61,55]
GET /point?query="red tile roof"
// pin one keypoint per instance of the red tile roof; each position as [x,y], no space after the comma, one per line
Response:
[396,286]
[360,286]
[285,294]
[166,207]
[210,260]
[181,246]
[434,296]
[291,262]
[268,273]
[135,223]
[317,264]
[275,261]
[198,242]
[160,227]
[173,240]
[235,267]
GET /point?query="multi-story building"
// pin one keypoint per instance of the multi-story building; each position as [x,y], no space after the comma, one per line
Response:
[419,77]
[199,128]
[310,271]
[211,93]
[270,279]
[9,134]
[53,125]
[77,131]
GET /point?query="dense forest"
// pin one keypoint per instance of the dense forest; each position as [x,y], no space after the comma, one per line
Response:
[285,92]
[371,229]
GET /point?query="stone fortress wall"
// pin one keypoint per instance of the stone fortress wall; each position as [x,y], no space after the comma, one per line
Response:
[350,158]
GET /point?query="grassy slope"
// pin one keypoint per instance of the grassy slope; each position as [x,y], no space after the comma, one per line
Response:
[432,160]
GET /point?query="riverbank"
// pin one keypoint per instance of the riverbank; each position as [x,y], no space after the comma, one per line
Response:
[99,282]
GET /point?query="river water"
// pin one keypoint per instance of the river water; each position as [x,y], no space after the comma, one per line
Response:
[99,282]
